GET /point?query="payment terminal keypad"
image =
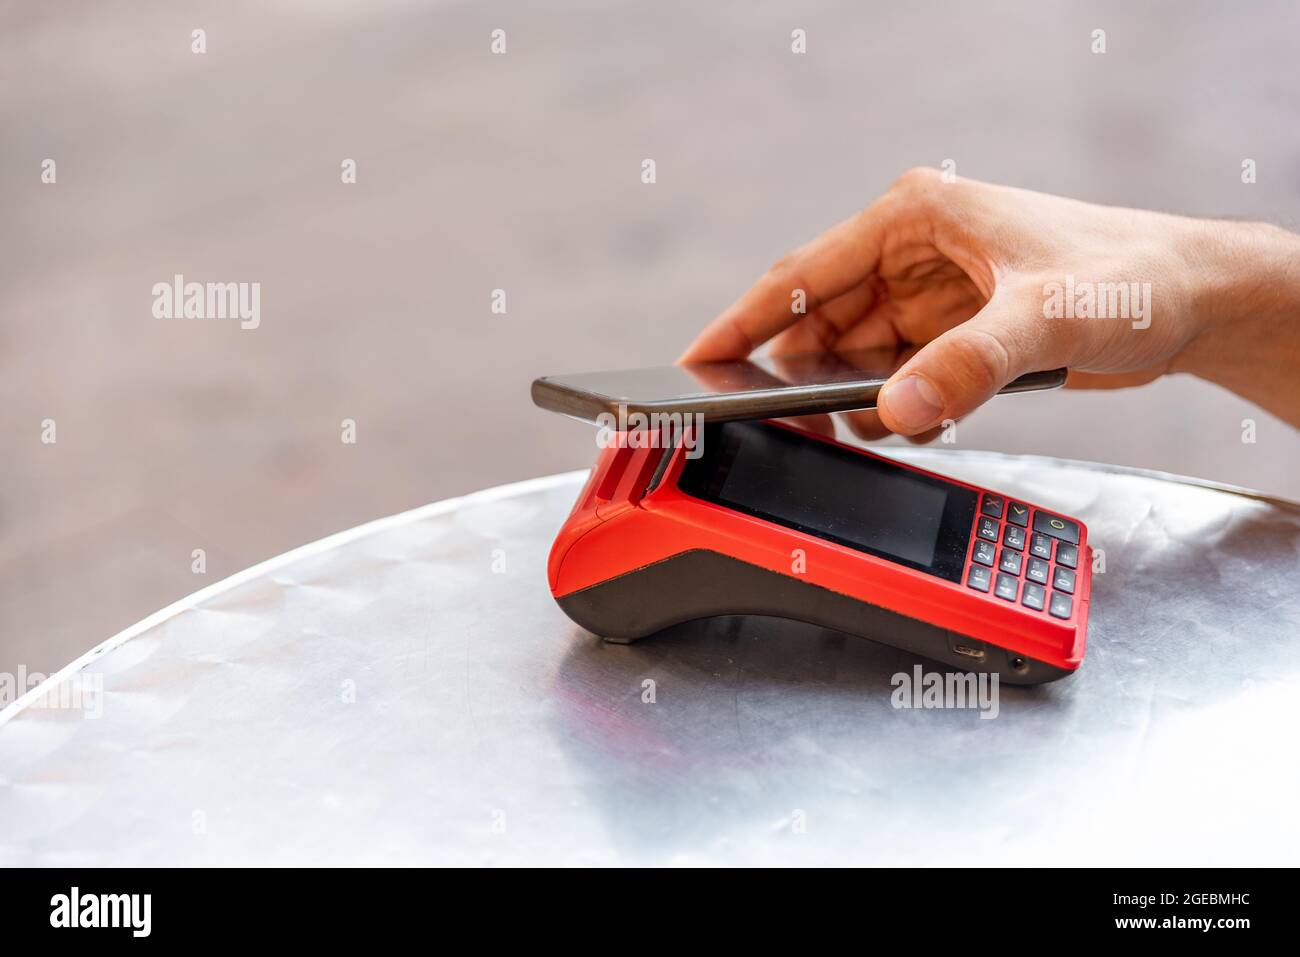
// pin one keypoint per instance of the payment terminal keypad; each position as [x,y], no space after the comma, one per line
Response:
[1037,556]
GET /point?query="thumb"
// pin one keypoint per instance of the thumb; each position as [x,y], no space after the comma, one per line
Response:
[966,366]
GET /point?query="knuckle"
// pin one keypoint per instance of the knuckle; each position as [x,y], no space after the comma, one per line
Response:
[741,334]
[985,360]
[787,273]
[822,329]
[920,180]
[782,267]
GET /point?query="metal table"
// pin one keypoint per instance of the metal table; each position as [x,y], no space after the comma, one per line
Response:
[407,692]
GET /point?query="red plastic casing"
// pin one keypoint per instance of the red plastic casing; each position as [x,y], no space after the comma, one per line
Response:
[616,528]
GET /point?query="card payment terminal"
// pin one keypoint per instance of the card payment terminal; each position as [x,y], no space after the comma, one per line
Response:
[774,520]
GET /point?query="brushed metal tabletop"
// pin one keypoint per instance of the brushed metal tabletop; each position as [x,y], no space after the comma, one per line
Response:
[407,692]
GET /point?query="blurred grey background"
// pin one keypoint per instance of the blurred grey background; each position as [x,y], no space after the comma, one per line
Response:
[521,172]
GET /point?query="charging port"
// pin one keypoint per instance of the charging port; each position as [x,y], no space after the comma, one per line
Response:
[968,651]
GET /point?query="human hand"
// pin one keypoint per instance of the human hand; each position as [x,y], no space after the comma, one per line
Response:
[992,281]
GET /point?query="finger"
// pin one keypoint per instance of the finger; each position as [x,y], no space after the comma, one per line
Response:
[968,364]
[865,424]
[822,329]
[926,437]
[874,332]
[829,266]
[821,424]
[918,315]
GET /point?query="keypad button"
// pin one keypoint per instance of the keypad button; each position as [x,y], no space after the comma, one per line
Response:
[1014,537]
[979,578]
[984,553]
[1018,514]
[1040,546]
[992,506]
[1063,580]
[1033,597]
[1067,555]
[1057,527]
[1038,571]
[1011,562]
[1061,606]
[988,528]
[1007,587]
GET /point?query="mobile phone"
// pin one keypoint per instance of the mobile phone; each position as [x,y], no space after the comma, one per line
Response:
[755,388]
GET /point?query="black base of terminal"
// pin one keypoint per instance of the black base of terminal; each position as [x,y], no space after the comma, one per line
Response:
[704,584]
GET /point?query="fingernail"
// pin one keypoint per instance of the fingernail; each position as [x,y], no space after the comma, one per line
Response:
[912,402]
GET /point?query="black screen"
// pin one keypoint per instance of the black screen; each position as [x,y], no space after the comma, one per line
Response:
[834,493]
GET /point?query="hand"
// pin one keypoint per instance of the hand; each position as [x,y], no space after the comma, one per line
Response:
[994,281]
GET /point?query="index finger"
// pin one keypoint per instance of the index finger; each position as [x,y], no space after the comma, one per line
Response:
[830,265]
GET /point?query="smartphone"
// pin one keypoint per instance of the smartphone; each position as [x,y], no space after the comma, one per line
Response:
[754,388]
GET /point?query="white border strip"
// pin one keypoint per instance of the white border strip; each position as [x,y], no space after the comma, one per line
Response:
[303,551]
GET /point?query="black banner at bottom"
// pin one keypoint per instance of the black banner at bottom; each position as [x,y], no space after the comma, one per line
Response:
[334,907]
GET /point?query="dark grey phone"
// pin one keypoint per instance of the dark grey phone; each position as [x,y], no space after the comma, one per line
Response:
[756,388]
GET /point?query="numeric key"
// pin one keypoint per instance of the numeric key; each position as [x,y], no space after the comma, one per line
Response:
[1063,580]
[1040,546]
[1061,606]
[1038,571]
